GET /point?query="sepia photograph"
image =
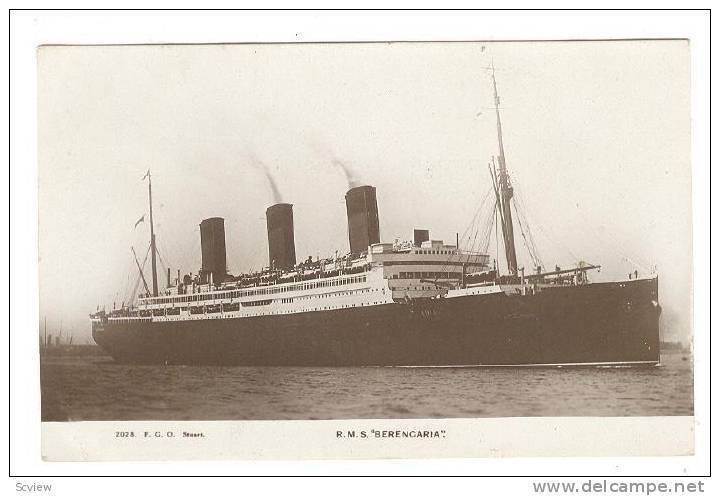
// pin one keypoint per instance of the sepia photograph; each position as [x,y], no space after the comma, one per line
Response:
[389,230]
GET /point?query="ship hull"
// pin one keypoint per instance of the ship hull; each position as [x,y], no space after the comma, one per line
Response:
[594,324]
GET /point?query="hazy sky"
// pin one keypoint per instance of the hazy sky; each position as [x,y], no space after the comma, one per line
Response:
[597,139]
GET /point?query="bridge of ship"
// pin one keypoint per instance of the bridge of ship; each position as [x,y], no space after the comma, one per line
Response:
[427,270]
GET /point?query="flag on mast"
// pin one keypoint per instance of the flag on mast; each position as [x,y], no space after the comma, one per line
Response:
[146,175]
[141,219]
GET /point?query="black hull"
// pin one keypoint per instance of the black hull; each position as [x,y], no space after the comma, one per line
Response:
[604,323]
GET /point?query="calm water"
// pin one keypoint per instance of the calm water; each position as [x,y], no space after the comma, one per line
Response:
[95,388]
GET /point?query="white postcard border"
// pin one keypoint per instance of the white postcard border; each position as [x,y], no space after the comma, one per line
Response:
[31,29]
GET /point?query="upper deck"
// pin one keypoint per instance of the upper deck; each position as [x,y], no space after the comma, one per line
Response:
[385,274]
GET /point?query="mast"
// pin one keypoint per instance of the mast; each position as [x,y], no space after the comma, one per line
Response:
[152,238]
[504,191]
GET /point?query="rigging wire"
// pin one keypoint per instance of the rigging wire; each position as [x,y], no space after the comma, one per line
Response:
[485,225]
[613,246]
[129,272]
[470,232]
[137,280]
[523,212]
[555,240]
[518,204]
[527,239]
[497,239]
[164,265]
[466,234]
[489,230]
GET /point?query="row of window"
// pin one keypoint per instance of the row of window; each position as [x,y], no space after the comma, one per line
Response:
[300,310]
[256,303]
[234,307]
[255,292]
[335,294]
[435,252]
[429,275]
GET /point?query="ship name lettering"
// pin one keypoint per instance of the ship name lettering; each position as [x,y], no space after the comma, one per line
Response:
[433,434]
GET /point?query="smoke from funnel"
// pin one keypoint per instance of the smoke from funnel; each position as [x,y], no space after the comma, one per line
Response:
[275,192]
[352,181]
[325,152]
[260,165]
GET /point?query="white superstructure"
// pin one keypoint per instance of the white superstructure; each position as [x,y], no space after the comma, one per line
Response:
[386,274]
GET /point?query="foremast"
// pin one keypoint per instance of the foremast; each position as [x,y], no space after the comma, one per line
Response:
[503,190]
[152,237]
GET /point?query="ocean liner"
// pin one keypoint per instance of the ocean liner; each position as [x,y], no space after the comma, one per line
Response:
[416,303]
